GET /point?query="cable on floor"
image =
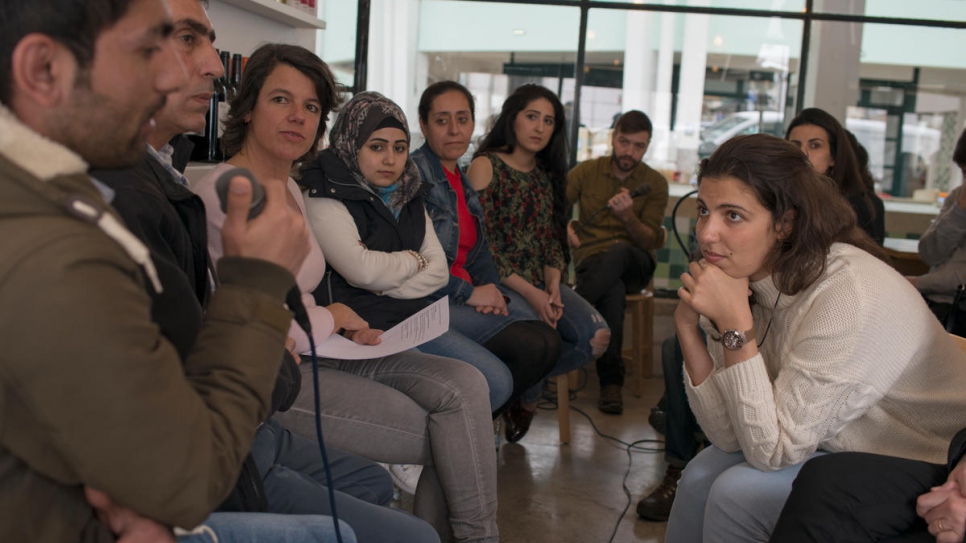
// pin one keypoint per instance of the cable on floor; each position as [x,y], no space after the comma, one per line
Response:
[548,402]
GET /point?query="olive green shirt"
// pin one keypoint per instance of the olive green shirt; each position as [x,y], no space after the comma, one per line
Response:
[591,184]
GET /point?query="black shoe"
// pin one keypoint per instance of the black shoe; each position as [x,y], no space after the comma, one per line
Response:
[658,420]
[611,401]
[517,421]
[657,505]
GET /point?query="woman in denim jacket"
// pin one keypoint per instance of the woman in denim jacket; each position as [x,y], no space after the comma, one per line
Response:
[499,319]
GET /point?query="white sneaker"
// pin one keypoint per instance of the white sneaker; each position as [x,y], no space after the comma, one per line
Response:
[406,476]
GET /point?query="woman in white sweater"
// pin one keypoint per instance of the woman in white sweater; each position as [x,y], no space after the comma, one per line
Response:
[814,344]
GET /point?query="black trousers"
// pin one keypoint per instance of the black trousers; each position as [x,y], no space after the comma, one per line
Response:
[530,349]
[858,497]
[680,441]
[604,280]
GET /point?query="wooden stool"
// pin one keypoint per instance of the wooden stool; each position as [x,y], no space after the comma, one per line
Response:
[641,307]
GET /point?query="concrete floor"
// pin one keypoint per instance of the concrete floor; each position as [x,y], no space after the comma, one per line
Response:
[555,493]
[551,493]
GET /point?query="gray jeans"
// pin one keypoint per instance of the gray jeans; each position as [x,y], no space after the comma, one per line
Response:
[413,408]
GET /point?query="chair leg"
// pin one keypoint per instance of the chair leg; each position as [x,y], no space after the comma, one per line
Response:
[563,406]
[637,329]
[647,360]
[644,342]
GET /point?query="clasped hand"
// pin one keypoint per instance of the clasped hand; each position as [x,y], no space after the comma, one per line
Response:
[944,507]
[488,299]
[546,303]
[709,291]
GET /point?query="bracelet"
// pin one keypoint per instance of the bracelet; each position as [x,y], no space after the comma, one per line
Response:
[421,262]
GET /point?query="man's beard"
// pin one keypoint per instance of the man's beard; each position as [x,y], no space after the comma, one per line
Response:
[616,161]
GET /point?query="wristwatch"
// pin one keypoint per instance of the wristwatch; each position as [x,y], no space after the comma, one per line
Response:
[736,339]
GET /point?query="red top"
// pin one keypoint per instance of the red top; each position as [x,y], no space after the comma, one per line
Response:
[466,225]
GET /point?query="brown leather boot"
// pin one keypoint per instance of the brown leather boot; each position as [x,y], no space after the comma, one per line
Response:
[657,505]
[611,401]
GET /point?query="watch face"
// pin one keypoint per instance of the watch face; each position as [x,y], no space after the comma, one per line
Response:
[733,339]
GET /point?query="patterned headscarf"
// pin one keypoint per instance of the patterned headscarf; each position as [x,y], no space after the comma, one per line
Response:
[365,113]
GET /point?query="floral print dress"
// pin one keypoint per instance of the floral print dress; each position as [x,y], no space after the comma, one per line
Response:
[519,221]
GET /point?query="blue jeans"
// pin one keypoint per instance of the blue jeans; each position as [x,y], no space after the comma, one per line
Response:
[577,326]
[295,484]
[722,498]
[264,527]
[453,344]
[481,328]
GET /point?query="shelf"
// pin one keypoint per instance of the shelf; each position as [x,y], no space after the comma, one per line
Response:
[270,9]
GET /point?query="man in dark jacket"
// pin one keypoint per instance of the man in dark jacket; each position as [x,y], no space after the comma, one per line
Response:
[155,202]
[91,393]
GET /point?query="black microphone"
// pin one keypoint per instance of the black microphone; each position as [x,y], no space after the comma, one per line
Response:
[642,190]
[258,191]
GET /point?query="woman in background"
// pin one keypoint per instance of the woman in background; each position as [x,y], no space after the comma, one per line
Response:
[520,174]
[826,144]
[479,308]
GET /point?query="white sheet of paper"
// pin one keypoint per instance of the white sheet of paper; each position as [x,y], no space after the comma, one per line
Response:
[428,324]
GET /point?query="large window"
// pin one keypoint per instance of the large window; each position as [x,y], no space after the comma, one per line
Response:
[492,48]
[701,78]
[904,104]
[337,42]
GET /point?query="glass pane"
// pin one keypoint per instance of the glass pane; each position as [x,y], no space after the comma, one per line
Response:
[337,43]
[506,46]
[766,5]
[908,100]
[701,78]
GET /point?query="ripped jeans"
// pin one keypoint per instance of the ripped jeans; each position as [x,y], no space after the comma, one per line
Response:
[577,327]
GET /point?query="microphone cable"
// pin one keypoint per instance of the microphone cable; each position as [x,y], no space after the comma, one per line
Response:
[294,301]
[674,224]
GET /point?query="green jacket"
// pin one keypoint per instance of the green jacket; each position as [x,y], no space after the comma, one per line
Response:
[591,184]
[91,394]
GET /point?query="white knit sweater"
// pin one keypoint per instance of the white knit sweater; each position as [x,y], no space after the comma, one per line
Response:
[855,362]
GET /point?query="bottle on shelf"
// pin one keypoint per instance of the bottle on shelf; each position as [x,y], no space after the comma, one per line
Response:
[236,72]
[208,144]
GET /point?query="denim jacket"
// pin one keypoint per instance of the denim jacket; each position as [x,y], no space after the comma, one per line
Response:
[441,205]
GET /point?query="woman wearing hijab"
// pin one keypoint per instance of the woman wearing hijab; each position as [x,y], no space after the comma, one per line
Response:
[366,210]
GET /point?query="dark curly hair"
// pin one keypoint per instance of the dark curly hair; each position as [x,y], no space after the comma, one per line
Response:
[260,65]
[785,184]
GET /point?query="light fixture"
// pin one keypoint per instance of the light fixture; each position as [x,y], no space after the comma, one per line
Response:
[519,31]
